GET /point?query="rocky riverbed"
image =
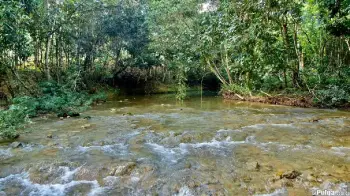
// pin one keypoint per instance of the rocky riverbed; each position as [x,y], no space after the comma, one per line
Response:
[156,146]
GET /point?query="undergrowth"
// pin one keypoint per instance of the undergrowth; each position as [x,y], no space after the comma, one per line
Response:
[53,99]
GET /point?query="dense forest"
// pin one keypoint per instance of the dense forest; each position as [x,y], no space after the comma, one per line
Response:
[61,56]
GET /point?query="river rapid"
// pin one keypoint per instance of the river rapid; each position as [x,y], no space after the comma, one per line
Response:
[153,145]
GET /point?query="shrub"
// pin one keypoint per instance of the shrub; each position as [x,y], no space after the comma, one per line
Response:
[54,99]
[332,96]
[237,89]
[271,83]
[28,105]
[11,120]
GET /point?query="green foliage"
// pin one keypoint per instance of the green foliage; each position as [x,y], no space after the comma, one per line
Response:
[248,45]
[173,32]
[27,105]
[237,89]
[54,99]
[333,96]
[271,83]
[62,100]
[11,120]
[181,89]
[336,15]
[181,86]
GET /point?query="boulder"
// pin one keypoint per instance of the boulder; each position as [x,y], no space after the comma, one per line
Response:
[16,145]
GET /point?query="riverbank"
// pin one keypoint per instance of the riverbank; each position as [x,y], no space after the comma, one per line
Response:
[297,100]
[51,99]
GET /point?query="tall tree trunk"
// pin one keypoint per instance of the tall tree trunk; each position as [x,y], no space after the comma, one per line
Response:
[14,72]
[347,43]
[298,52]
[41,54]
[285,78]
[36,53]
[286,42]
[60,55]
[227,68]
[47,53]
[216,72]
[9,87]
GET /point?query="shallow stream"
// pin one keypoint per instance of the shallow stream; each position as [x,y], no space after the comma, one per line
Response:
[155,146]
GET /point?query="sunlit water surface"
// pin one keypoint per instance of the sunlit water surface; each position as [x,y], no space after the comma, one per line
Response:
[156,146]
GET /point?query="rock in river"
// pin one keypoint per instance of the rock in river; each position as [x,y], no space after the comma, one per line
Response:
[86,126]
[16,145]
[251,166]
[124,169]
[290,175]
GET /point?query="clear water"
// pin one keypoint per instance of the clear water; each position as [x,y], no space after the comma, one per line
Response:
[157,146]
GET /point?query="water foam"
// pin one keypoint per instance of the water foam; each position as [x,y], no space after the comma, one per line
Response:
[68,174]
[27,187]
[261,126]
[171,154]
[278,192]
[184,191]
[228,130]
[115,149]
[5,154]
[176,153]
[214,143]
[342,151]
[339,189]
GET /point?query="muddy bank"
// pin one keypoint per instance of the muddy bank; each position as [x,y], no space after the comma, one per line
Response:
[290,100]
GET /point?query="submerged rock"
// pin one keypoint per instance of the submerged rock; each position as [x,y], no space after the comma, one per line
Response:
[325,174]
[254,165]
[73,114]
[311,178]
[87,117]
[125,169]
[62,115]
[246,179]
[188,165]
[290,175]
[87,173]
[16,145]
[86,126]
[193,184]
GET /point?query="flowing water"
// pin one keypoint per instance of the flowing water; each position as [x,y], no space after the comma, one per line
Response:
[156,146]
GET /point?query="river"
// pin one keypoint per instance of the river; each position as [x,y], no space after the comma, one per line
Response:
[153,145]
